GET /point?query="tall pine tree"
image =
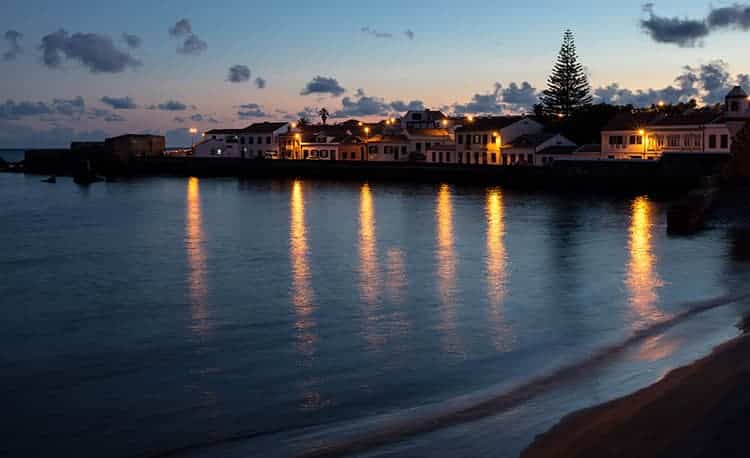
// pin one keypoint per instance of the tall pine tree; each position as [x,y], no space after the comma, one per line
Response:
[567,88]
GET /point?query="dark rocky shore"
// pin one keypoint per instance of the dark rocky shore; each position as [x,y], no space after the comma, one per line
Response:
[700,410]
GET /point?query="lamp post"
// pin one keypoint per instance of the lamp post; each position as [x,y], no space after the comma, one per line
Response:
[642,133]
[298,145]
[193,131]
[367,147]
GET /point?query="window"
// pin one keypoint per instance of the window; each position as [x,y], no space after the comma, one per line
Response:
[724,141]
[636,140]
[242,140]
[250,140]
[530,158]
[440,156]
[433,156]
[484,157]
[388,149]
[673,140]
[460,139]
[460,157]
[324,154]
[485,139]
[493,158]
[505,159]
[419,147]
[477,139]
[476,158]
[343,155]
[512,158]
[231,139]
[468,140]
[712,141]
[427,145]
[447,156]
[403,150]
[660,141]
[416,116]
[373,150]
[268,140]
[306,153]
[734,106]
[616,140]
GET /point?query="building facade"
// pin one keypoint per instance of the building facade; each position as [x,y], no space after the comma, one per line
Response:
[259,140]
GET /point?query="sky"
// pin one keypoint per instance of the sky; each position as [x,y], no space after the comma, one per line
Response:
[84,69]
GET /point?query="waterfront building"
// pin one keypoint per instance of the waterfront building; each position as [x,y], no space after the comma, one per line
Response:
[537,149]
[388,147]
[424,119]
[259,140]
[480,140]
[422,140]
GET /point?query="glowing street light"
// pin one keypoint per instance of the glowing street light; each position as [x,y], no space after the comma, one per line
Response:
[445,122]
[470,118]
[661,103]
[294,125]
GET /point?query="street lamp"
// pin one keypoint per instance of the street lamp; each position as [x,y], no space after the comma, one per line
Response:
[193,131]
[367,147]
[298,144]
[642,133]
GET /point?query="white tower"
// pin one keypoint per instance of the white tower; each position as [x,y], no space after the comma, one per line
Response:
[737,103]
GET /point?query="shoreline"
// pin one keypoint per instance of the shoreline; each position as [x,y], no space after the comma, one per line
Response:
[698,410]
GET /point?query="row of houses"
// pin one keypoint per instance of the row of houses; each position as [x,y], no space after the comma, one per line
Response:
[430,136]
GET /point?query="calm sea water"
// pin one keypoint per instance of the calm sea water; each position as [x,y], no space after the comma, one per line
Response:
[11,155]
[221,317]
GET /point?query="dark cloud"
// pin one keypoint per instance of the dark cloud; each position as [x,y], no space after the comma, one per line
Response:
[181,28]
[414,105]
[204,118]
[191,45]
[409,34]
[133,41]
[323,85]
[370,31]
[736,16]
[179,119]
[169,105]
[96,52]
[14,135]
[515,98]
[308,113]
[708,83]
[688,33]
[72,108]
[119,103]
[362,105]
[251,110]
[260,83]
[238,74]
[14,45]
[114,117]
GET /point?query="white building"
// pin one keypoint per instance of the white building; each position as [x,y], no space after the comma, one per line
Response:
[536,149]
[481,140]
[259,140]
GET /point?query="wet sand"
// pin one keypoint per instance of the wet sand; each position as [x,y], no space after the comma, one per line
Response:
[700,410]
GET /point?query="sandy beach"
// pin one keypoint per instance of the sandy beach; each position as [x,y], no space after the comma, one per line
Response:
[700,410]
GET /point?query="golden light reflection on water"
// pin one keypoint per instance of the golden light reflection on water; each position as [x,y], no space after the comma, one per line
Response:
[369,278]
[643,281]
[194,241]
[302,293]
[497,264]
[396,279]
[446,270]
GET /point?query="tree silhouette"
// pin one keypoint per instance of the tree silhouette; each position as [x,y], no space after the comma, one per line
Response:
[303,121]
[567,88]
[323,113]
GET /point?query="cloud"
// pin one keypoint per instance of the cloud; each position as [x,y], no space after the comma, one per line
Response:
[169,105]
[14,45]
[72,108]
[409,34]
[251,110]
[514,98]
[119,103]
[736,16]
[96,52]
[133,41]
[370,31]
[191,45]
[708,83]
[114,117]
[688,33]
[308,113]
[414,105]
[181,29]
[362,105]
[260,83]
[323,85]
[13,135]
[238,74]
[204,118]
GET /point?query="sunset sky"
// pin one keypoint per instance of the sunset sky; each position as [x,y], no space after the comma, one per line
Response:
[86,69]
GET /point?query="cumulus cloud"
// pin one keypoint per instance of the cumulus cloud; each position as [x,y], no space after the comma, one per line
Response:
[370,31]
[105,115]
[708,83]
[204,118]
[260,83]
[323,85]
[251,110]
[362,105]
[409,34]
[14,45]
[238,74]
[133,41]
[688,33]
[96,52]
[72,108]
[514,98]
[169,105]
[191,44]
[414,105]
[119,103]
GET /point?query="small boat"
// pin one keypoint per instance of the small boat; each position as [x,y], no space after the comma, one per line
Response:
[51,179]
